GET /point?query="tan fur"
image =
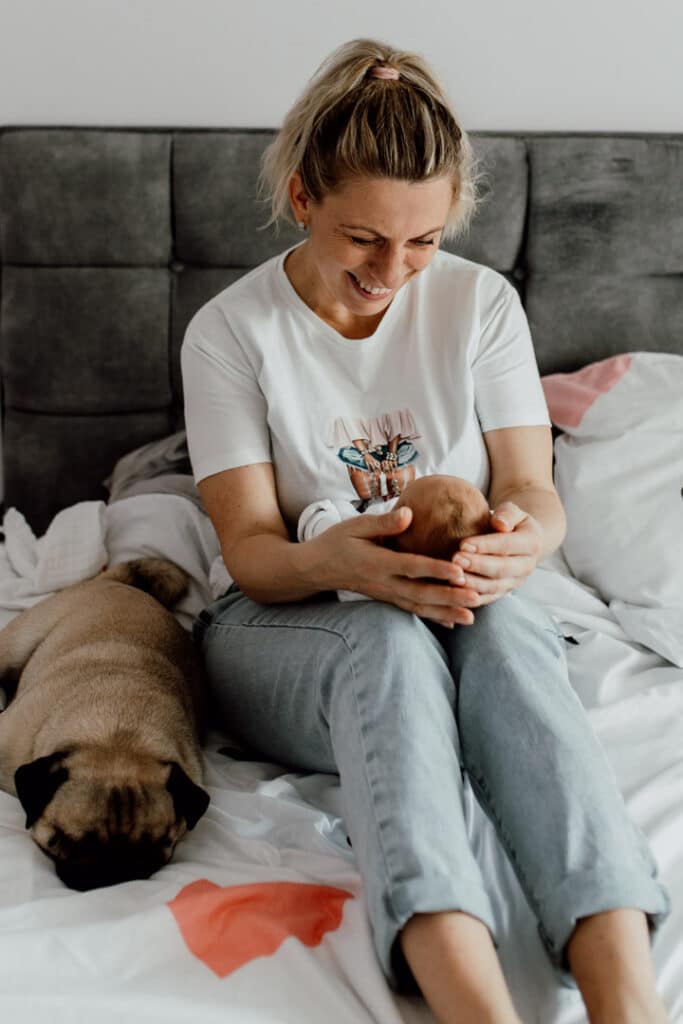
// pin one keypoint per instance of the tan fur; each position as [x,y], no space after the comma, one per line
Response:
[106,674]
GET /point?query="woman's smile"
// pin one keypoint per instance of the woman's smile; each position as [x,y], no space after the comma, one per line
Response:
[369,292]
[365,241]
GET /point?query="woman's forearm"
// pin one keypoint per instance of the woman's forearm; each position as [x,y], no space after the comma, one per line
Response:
[272,570]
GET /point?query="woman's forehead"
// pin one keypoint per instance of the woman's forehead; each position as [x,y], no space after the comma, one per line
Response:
[389,205]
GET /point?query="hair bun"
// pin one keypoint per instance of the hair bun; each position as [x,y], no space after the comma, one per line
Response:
[384,71]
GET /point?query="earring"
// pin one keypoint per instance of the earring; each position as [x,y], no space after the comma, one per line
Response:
[301,225]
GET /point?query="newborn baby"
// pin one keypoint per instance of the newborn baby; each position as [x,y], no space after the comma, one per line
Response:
[445,510]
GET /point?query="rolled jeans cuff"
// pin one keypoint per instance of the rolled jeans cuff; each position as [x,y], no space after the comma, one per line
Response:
[409,898]
[592,892]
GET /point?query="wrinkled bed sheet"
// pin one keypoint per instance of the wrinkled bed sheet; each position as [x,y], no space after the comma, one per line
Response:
[260,917]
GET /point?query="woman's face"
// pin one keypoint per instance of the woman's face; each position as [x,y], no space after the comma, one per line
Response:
[367,239]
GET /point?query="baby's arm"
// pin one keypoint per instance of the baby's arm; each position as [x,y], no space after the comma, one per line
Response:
[320,516]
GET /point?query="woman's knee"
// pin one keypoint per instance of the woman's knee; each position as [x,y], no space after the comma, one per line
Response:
[379,630]
[509,629]
[511,663]
[391,657]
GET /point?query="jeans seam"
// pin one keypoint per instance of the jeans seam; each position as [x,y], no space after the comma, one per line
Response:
[366,772]
[339,636]
[273,625]
[480,787]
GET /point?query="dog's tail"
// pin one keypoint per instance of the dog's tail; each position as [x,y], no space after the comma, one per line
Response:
[163,580]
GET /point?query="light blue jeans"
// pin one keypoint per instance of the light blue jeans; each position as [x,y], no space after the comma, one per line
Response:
[401,709]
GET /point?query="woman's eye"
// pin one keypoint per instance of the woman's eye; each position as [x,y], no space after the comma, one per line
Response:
[371,241]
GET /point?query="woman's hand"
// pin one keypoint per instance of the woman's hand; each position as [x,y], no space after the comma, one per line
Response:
[352,556]
[496,563]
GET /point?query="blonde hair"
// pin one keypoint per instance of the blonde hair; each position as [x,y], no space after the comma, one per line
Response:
[348,123]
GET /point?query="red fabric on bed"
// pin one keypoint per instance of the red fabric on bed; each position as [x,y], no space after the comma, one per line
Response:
[227,927]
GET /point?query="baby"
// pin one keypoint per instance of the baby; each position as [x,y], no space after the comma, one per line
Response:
[445,510]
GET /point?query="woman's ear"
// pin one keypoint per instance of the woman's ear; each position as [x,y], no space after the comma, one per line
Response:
[299,199]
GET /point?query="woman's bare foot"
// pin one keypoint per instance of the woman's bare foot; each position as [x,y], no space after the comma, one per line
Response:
[609,955]
[455,963]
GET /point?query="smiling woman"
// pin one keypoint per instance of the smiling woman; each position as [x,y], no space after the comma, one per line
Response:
[338,372]
[349,274]
[341,168]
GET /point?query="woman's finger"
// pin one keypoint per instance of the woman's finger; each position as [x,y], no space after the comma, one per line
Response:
[496,567]
[456,617]
[507,516]
[426,595]
[507,586]
[399,563]
[463,617]
[444,604]
[484,585]
[518,543]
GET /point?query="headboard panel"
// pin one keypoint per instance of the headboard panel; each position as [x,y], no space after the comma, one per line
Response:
[110,239]
[604,252]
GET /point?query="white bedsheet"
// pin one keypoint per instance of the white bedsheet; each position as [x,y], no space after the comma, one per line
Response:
[119,953]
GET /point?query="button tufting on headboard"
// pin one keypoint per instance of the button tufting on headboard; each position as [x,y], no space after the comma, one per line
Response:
[112,238]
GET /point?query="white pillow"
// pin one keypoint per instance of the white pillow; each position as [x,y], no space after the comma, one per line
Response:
[619,472]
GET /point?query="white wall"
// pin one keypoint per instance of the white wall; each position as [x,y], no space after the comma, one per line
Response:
[508,64]
[591,65]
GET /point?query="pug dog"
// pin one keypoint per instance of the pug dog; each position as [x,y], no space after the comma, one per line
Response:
[101,738]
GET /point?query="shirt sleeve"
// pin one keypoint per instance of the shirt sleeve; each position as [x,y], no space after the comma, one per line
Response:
[225,409]
[507,385]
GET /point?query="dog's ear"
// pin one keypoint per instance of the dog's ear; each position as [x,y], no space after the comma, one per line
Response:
[38,781]
[190,801]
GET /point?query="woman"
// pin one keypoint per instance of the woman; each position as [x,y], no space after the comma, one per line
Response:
[362,319]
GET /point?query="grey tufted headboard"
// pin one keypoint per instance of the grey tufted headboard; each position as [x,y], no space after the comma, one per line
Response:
[110,239]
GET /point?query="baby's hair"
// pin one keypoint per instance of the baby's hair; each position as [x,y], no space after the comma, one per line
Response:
[455,521]
[446,509]
[351,122]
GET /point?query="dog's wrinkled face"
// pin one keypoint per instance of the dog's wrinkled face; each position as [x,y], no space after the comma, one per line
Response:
[100,826]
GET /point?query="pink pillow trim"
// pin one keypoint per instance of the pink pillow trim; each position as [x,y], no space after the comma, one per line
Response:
[570,395]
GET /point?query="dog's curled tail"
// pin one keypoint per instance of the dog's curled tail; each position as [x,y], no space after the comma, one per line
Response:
[156,576]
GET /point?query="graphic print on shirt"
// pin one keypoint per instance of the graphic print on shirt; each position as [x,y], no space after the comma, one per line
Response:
[378,452]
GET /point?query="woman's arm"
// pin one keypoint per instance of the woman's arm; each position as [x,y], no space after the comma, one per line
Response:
[271,569]
[522,474]
[257,551]
[528,519]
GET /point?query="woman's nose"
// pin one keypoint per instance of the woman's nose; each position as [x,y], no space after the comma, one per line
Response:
[389,268]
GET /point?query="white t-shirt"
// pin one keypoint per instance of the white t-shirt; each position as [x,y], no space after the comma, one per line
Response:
[266,380]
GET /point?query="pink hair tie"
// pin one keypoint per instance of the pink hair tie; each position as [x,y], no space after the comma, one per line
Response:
[384,71]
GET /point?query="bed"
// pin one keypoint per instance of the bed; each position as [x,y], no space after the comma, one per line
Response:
[110,239]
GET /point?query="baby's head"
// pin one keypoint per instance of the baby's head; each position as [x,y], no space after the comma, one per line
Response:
[445,509]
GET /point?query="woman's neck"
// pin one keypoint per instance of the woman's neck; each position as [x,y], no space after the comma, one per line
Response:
[306,282]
